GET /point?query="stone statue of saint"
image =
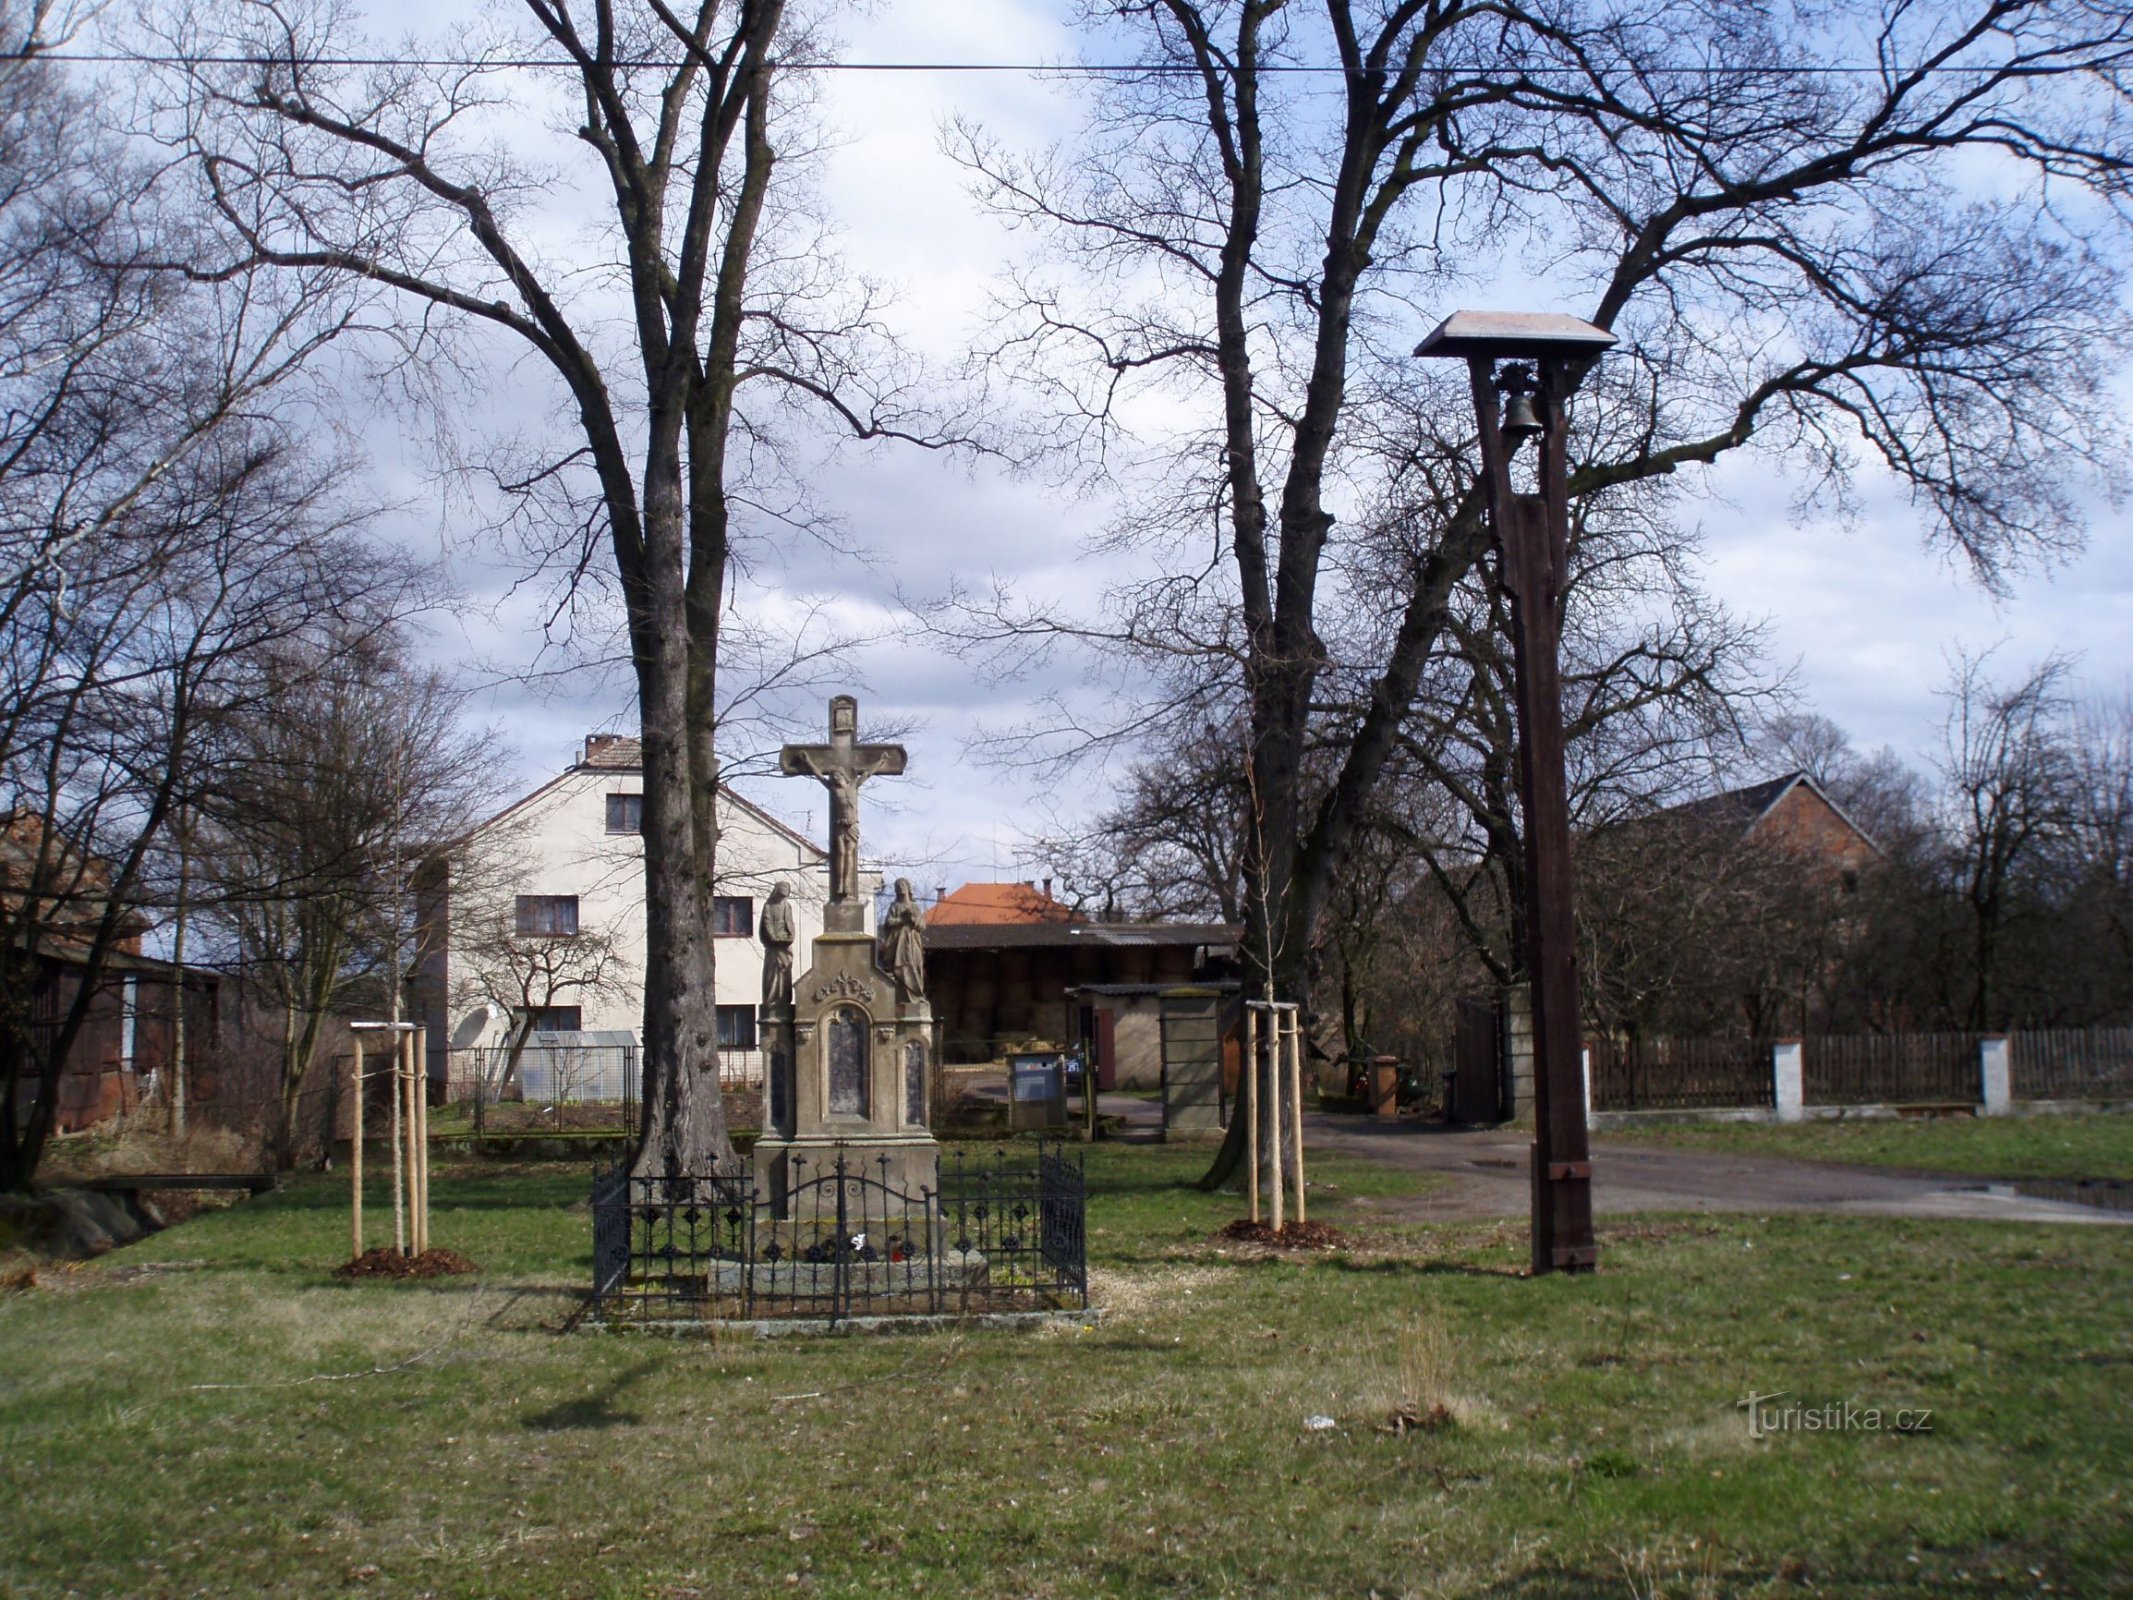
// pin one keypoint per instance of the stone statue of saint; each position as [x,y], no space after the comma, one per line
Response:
[903,942]
[775,929]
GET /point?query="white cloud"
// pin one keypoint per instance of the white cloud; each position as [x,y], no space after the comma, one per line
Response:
[1867,610]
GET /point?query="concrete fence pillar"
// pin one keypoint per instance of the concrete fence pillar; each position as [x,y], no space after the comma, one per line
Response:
[1518,1052]
[1995,1075]
[1788,1080]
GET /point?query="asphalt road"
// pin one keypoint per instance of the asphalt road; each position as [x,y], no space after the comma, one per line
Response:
[1488,1169]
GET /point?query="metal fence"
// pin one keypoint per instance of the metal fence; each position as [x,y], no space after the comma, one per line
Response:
[1890,1069]
[740,1069]
[1001,1233]
[560,1088]
[1680,1074]
[2072,1063]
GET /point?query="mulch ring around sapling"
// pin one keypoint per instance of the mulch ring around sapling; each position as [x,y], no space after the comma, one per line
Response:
[1290,1236]
[386,1262]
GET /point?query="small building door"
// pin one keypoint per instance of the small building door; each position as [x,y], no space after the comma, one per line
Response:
[1105,1040]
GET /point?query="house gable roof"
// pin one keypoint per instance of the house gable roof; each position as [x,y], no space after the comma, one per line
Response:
[618,754]
[1746,809]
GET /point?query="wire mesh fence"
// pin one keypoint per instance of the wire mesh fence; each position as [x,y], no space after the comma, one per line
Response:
[543,1088]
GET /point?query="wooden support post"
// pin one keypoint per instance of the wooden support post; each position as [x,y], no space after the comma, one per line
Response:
[420,1083]
[1088,1091]
[399,1072]
[1273,1083]
[1251,1108]
[1532,532]
[412,1159]
[1294,1033]
[355,1150]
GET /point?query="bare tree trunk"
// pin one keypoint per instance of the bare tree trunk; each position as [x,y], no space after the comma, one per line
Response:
[177,961]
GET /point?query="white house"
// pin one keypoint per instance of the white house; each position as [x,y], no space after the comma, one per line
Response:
[540,911]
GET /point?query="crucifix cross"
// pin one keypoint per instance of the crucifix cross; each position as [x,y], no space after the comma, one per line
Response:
[843,765]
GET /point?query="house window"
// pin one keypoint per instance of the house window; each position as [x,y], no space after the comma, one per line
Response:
[547,914]
[732,915]
[736,1027]
[625,813]
[556,1019]
[1850,880]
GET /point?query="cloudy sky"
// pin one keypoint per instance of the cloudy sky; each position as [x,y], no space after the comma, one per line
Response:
[1865,610]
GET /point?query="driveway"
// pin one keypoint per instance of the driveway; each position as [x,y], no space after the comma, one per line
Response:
[1488,1172]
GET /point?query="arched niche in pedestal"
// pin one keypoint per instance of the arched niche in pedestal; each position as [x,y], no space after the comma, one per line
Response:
[846,1062]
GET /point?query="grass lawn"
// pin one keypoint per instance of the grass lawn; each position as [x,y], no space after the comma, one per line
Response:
[2098,1146]
[210,1413]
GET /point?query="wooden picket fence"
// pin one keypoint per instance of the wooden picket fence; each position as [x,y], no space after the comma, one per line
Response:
[1864,1069]
[1680,1074]
[2072,1063]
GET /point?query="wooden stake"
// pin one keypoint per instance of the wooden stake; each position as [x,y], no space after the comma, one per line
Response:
[1251,1108]
[407,1132]
[1294,1019]
[399,1072]
[422,1138]
[1273,1079]
[355,1151]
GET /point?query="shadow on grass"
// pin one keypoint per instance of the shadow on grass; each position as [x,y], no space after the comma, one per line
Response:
[1401,1267]
[558,1190]
[595,1410]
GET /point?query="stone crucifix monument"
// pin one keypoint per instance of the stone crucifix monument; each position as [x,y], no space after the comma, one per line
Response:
[848,1047]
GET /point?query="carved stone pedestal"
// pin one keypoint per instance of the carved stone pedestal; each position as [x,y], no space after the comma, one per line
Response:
[848,1060]
[847,1071]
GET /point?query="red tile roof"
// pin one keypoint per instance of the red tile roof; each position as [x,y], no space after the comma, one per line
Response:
[999,903]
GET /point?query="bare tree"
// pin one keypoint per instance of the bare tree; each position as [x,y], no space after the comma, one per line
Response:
[382,173]
[1688,928]
[2103,826]
[118,670]
[319,800]
[1780,248]
[1171,846]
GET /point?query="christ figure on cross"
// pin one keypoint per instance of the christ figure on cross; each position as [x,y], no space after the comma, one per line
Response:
[843,765]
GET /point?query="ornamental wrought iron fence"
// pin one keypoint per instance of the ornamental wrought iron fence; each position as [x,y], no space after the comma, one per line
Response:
[1003,1231]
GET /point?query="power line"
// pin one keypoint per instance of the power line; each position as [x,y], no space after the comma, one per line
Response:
[1163,69]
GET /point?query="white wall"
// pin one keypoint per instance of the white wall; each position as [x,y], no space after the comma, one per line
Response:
[555,842]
